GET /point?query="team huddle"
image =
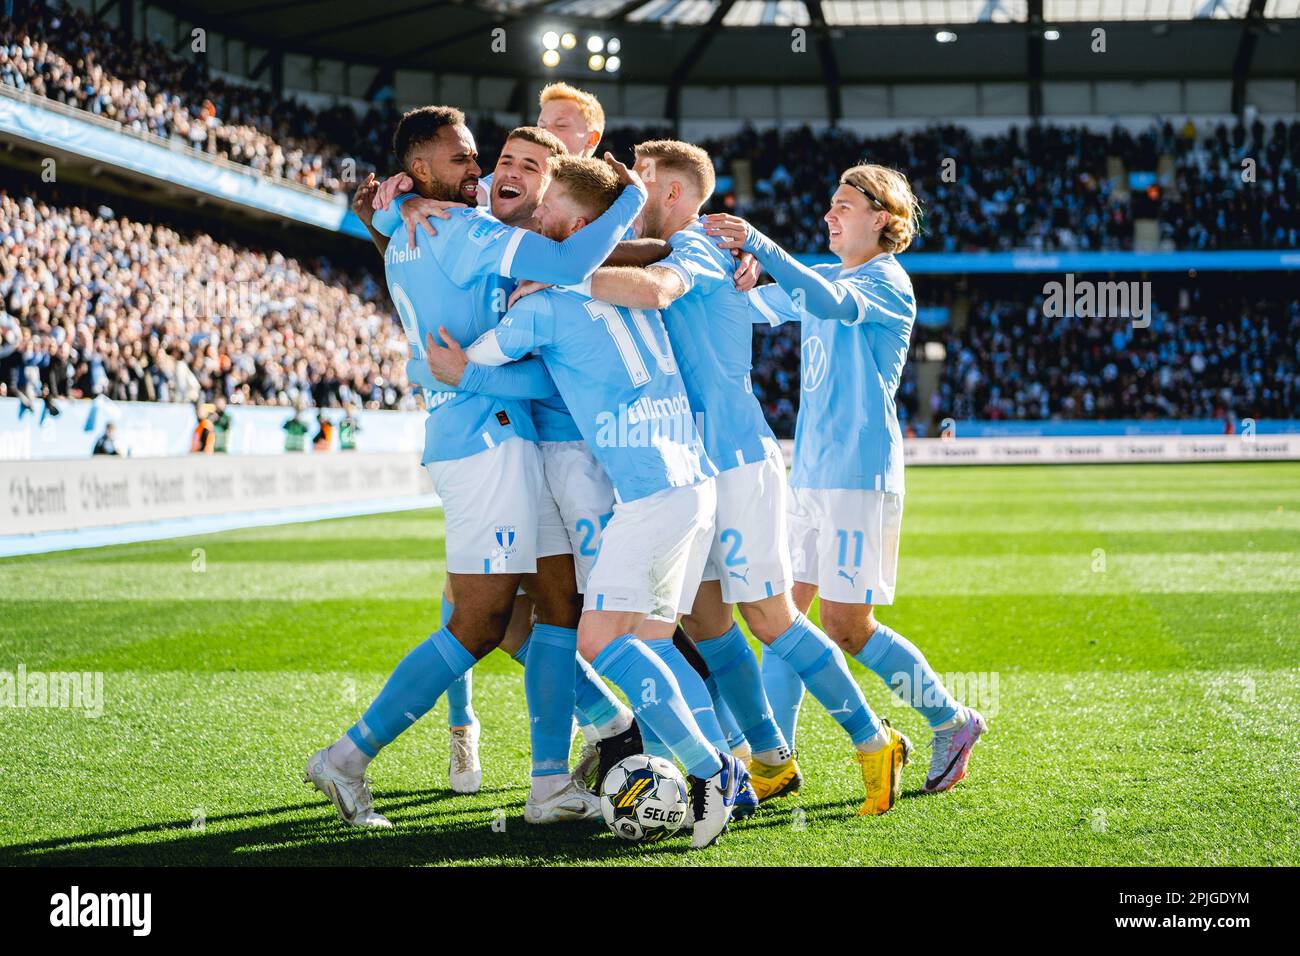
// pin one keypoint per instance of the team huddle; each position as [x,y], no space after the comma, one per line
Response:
[612,491]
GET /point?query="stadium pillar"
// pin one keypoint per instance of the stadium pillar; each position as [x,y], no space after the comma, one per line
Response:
[277,74]
[830,66]
[687,63]
[1251,24]
[1034,57]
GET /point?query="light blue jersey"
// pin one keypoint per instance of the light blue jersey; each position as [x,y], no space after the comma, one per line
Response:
[550,415]
[616,372]
[461,279]
[847,434]
[712,330]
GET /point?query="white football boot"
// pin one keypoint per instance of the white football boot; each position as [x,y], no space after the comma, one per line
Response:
[712,800]
[350,795]
[571,802]
[463,768]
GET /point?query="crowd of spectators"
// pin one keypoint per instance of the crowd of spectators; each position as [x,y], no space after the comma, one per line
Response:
[1045,188]
[1208,353]
[1042,188]
[94,304]
[68,56]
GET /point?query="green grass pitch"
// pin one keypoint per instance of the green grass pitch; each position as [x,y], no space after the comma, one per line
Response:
[1142,625]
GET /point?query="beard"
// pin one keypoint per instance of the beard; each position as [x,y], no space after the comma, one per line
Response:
[449,192]
[652,221]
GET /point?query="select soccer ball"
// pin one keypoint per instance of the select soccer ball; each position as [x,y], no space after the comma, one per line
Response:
[643,799]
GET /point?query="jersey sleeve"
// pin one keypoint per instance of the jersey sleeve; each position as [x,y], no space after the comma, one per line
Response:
[879,301]
[693,260]
[772,305]
[525,329]
[417,373]
[821,296]
[471,245]
[388,221]
[533,256]
[526,378]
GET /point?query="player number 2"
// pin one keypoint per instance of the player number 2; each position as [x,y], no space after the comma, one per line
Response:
[587,528]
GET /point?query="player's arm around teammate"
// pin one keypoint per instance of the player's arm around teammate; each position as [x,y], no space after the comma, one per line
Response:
[710,323]
[847,482]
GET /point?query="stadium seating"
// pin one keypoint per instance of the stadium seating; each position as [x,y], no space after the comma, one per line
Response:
[100,305]
[1046,188]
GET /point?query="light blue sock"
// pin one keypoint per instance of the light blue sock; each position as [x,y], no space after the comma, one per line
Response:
[735,668]
[726,719]
[899,663]
[784,693]
[822,667]
[651,744]
[658,702]
[412,689]
[693,690]
[548,686]
[593,702]
[521,655]
[460,712]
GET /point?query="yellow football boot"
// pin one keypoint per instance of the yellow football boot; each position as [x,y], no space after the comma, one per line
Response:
[773,780]
[882,772]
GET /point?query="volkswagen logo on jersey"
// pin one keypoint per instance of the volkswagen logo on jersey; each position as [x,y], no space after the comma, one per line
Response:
[813,363]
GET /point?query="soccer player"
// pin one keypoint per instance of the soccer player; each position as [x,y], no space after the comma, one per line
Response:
[578,494]
[711,327]
[846,504]
[481,452]
[577,498]
[617,374]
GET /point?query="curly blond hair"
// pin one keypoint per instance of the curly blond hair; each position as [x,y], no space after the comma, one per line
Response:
[889,190]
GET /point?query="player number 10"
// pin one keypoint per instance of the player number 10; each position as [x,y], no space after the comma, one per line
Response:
[612,316]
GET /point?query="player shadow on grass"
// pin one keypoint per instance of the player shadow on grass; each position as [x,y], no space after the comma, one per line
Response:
[430,826]
[313,836]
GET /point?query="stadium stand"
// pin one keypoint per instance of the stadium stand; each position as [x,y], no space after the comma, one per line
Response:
[96,304]
[99,304]
[1216,353]
[1041,188]
[67,56]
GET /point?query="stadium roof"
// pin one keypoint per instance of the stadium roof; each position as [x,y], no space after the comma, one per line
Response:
[673,43]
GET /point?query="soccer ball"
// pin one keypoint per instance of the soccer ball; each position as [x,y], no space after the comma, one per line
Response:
[643,799]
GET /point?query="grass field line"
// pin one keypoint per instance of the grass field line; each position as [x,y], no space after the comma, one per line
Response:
[1082,573]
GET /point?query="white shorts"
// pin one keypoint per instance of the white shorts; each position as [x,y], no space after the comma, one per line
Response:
[652,552]
[552,536]
[583,500]
[490,500]
[845,541]
[750,554]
